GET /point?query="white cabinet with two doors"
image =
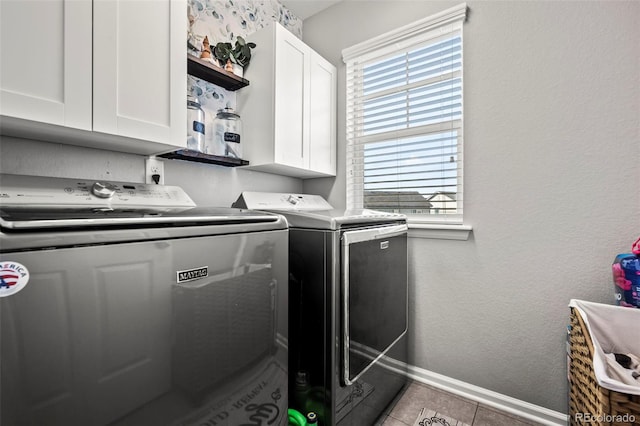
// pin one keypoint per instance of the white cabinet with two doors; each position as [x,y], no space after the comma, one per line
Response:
[289,110]
[106,74]
[111,74]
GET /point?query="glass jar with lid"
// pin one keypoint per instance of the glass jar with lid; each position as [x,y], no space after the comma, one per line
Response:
[195,125]
[228,128]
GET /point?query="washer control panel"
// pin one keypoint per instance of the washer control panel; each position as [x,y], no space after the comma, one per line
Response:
[46,192]
[103,189]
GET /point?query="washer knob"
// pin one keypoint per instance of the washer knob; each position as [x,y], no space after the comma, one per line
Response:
[103,190]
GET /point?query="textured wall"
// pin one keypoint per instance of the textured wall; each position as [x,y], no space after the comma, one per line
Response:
[552,110]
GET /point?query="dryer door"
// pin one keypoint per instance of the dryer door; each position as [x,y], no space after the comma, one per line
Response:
[374,295]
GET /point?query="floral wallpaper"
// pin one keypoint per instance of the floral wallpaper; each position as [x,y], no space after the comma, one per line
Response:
[224,20]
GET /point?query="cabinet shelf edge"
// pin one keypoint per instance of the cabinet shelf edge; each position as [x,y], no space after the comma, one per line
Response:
[199,157]
[218,76]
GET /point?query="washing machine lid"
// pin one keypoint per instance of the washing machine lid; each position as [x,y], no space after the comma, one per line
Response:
[39,203]
[38,219]
[313,211]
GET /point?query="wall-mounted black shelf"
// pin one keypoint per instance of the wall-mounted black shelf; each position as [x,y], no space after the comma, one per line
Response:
[199,157]
[216,75]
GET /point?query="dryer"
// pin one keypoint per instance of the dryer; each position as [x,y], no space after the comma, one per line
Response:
[348,299]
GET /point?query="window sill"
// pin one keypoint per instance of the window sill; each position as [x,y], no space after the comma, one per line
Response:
[439,231]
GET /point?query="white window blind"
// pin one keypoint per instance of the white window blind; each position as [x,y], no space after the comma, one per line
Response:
[404,120]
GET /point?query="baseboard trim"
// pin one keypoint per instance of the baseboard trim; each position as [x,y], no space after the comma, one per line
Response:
[526,410]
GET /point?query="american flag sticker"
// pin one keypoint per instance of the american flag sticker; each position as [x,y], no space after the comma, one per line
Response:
[13,277]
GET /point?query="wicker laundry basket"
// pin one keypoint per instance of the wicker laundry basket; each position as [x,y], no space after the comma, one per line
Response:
[589,403]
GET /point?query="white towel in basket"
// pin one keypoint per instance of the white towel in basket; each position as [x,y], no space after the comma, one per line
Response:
[630,376]
[613,329]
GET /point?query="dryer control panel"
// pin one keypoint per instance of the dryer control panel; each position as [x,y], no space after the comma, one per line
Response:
[278,201]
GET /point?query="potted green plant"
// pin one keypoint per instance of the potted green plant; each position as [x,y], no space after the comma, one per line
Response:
[234,58]
[222,52]
[242,52]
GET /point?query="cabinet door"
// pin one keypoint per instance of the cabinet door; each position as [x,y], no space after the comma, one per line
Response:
[291,91]
[139,74]
[322,116]
[46,61]
[88,339]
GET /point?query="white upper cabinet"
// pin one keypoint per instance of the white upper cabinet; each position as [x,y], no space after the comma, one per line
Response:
[140,70]
[322,115]
[107,74]
[290,92]
[289,108]
[46,61]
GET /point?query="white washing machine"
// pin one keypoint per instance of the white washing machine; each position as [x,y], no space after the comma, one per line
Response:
[348,292]
[125,304]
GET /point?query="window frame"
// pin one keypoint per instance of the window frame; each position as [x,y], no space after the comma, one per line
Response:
[418,33]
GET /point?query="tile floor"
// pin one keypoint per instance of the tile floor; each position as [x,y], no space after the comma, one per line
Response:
[417,396]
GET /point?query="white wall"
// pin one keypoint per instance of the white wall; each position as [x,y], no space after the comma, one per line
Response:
[207,184]
[552,182]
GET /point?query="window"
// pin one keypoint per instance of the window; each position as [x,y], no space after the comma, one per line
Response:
[404,120]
